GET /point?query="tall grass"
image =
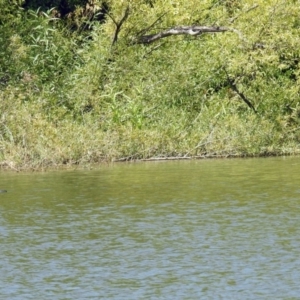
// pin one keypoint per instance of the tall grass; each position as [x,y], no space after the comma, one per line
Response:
[69,97]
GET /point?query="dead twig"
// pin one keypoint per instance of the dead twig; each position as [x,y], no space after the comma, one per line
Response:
[235,88]
[118,24]
[152,50]
[246,11]
[143,31]
[193,30]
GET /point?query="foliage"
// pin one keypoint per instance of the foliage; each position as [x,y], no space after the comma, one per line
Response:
[69,96]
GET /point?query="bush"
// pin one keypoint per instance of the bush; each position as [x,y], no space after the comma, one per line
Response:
[181,96]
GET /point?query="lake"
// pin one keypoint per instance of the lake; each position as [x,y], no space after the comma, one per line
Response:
[205,229]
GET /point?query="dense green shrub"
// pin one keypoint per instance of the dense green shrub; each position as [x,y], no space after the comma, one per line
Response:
[70,96]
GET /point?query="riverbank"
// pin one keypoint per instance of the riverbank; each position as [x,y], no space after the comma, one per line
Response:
[33,142]
[72,95]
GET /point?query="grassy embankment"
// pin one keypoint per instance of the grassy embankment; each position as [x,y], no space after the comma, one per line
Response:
[70,97]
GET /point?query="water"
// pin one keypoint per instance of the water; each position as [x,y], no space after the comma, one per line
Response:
[211,229]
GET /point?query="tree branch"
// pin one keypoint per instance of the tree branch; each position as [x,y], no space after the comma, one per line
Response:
[178,30]
[246,11]
[143,31]
[118,24]
[234,87]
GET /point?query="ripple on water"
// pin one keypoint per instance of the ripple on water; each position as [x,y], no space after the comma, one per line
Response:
[217,229]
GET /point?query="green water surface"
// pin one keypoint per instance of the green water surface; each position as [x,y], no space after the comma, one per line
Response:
[208,229]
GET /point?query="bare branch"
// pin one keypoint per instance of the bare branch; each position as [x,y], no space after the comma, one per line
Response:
[234,87]
[118,24]
[151,50]
[178,30]
[143,31]
[110,15]
[246,11]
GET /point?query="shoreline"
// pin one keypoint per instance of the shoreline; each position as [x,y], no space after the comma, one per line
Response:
[91,165]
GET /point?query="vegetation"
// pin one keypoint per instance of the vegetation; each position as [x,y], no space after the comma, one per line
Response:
[78,85]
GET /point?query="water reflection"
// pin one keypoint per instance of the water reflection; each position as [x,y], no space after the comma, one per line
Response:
[214,229]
